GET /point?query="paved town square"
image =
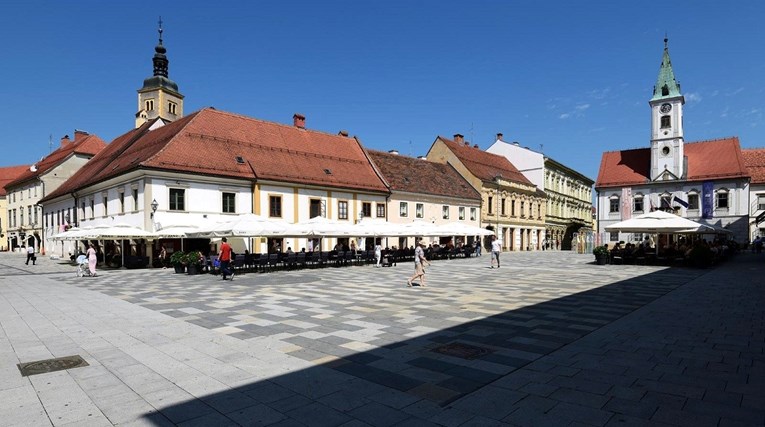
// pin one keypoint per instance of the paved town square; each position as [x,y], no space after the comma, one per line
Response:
[548,339]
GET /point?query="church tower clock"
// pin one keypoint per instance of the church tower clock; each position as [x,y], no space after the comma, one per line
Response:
[159,96]
[667,158]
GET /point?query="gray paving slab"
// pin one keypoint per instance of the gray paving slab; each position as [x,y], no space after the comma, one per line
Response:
[564,341]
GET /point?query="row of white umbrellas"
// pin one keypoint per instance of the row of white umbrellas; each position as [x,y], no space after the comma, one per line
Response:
[663,222]
[251,225]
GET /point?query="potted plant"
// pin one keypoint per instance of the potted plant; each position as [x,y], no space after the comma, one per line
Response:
[193,266]
[178,259]
[601,254]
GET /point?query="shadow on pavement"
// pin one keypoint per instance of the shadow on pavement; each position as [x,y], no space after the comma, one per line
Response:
[414,381]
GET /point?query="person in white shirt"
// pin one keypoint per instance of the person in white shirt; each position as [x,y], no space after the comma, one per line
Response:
[31,255]
[419,268]
[496,248]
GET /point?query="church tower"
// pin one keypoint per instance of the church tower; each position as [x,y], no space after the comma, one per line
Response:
[667,158]
[159,96]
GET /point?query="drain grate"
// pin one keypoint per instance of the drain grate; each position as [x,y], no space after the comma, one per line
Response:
[51,365]
[463,351]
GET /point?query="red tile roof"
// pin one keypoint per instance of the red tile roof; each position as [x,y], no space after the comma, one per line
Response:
[9,174]
[411,175]
[754,159]
[83,143]
[714,159]
[483,165]
[209,141]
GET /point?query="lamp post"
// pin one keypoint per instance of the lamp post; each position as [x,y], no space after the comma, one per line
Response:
[154,206]
[496,192]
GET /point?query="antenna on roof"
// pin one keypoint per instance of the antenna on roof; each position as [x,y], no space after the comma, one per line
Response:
[472,136]
[50,143]
[541,148]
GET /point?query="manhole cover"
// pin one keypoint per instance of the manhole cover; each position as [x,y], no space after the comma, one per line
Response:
[51,365]
[463,351]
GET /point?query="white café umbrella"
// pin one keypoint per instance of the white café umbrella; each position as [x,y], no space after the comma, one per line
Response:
[377,228]
[319,226]
[247,225]
[421,228]
[122,231]
[654,222]
[463,229]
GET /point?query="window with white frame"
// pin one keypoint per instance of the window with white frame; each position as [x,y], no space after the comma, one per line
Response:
[342,209]
[473,214]
[122,201]
[105,202]
[92,207]
[403,209]
[135,199]
[445,212]
[381,210]
[693,201]
[461,213]
[177,199]
[721,199]
[637,203]
[228,201]
[419,210]
[613,204]
[761,202]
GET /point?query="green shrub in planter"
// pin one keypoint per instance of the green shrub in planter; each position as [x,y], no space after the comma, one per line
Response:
[178,259]
[601,254]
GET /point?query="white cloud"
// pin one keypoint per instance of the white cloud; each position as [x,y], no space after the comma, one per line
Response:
[735,92]
[725,112]
[564,116]
[694,97]
[582,107]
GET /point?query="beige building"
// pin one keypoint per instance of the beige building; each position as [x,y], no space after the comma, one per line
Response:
[569,205]
[23,193]
[427,191]
[569,193]
[7,174]
[511,204]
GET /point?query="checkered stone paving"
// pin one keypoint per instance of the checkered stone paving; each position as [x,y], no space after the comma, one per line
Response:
[365,322]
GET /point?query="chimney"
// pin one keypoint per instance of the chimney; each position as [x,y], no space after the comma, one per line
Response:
[516,143]
[422,158]
[475,146]
[78,134]
[394,152]
[343,132]
[499,137]
[298,120]
[459,139]
[65,140]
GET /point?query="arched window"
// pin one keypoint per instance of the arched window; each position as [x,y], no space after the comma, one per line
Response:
[613,204]
[666,122]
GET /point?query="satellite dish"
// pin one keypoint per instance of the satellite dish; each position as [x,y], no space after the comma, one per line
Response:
[33,168]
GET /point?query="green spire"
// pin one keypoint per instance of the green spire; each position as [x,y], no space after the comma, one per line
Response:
[666,85]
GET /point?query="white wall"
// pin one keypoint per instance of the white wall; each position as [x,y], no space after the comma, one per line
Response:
[530,163]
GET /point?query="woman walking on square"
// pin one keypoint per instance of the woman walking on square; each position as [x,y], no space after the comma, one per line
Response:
[496,248]
[92,259]
[419,268]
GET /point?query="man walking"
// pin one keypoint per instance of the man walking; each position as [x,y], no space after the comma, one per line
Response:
[496,248]
[419,268]
[31,254]
[224,256]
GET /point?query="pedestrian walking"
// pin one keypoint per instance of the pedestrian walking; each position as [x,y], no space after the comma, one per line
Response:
[225,259]
[496,248]
[378,253]
[92,259]
[31,255]
[419,268]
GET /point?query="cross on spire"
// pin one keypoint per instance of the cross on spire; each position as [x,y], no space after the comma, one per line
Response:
[160,30]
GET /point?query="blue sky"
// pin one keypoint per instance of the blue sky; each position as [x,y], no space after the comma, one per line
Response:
[570,78]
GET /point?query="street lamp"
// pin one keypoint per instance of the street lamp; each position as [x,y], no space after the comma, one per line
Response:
[496,191]
[154,206]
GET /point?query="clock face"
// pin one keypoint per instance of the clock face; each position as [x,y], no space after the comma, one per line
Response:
[665,108]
